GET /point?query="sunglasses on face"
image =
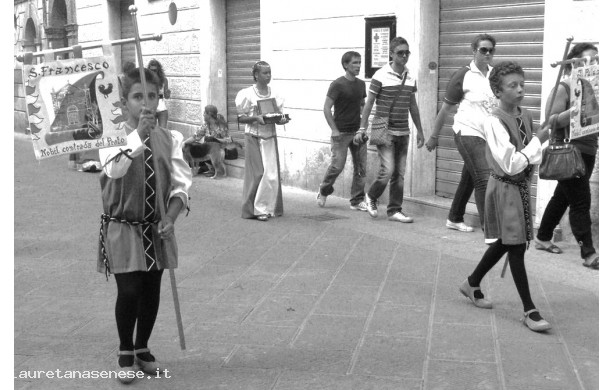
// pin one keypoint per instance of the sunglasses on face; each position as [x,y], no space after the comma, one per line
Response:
[486,50]
[403,53]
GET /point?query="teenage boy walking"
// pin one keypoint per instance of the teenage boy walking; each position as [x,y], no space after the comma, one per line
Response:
[346,95]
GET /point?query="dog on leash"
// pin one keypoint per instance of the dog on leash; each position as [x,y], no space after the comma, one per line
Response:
[194,153]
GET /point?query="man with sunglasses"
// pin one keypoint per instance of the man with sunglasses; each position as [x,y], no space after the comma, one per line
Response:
[468,92]
[393,90]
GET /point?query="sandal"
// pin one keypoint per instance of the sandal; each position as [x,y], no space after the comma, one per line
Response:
[592,261]
[552,248]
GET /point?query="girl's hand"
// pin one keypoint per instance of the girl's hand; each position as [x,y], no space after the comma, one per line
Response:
[146,122]
[431,144]
[166,228]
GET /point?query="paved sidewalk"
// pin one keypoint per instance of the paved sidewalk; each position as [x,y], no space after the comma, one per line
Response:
[317,299]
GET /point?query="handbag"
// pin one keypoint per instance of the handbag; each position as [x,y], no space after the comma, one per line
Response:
[561,160]
[379,127]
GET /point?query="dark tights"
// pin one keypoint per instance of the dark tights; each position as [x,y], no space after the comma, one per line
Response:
[137,301]
[516,254]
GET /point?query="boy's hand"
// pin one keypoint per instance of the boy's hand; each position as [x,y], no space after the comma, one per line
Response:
[146,122]
[166,228]
[420,139]
[260,120]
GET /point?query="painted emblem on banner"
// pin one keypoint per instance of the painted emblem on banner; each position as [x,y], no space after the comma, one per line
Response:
[73,106]
[584,98]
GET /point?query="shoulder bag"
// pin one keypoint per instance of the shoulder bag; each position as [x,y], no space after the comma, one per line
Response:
[561,160]
[379,127]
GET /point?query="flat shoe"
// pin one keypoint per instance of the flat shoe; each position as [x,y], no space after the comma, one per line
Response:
[552,248]
[263,217]
[537,326]
[468,291]
[126,375]
[592,261]
[151,368]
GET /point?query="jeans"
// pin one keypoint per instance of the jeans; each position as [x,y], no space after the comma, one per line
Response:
[575,194]
[474,177]
[359,153]
[392,168]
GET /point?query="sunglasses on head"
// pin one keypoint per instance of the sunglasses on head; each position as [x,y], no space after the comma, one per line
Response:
[403,53]
[486,50]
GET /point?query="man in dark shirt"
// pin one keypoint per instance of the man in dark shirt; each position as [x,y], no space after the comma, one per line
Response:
[346,95]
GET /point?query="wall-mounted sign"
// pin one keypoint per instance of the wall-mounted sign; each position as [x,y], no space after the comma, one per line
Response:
[379,32]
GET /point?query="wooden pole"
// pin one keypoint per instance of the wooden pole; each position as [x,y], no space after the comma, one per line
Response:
[161,205]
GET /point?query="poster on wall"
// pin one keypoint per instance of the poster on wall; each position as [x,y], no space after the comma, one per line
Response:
[584,101]
[380,46]
[73,106]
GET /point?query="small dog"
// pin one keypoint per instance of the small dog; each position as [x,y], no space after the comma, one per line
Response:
[194,153]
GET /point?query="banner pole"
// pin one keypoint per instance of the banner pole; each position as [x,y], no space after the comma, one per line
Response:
[162,208]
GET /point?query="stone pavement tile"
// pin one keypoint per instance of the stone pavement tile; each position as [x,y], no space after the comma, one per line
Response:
[283,357]
[305,280]
[98,327]
[460,311]
[191,377]
[272,269]
[462,342]
[305,234]
[415,269]
[255,334]
[282,309]
[194,311]
[402,292]
[450,375]
[198,355]
[284,253]
[51,323]
[588,370]
[327,331]
[361,274]
[372,249]
[318,257]
[349,300]
[539,365]
[212,276]
[296,380]
[391,356]
[398,320]
[245,291]
[64,346]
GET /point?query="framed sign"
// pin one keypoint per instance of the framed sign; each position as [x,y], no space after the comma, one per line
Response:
[379,32]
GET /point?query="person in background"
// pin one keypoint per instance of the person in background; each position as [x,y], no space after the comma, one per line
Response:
[572,193]
[468,92]
[346,95]
[261,195]
[164,93]
[385,84]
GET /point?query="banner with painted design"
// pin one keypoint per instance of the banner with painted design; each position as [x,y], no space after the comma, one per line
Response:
[73,106]
[584,101]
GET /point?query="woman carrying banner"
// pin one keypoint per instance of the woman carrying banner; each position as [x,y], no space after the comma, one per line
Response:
[572,193]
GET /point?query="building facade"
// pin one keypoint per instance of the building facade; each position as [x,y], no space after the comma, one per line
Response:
[208,54]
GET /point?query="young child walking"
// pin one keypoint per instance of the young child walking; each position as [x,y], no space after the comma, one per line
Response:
[511,153]
[136,237]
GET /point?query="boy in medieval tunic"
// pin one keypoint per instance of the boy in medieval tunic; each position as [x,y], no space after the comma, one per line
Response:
[136,239]
[511,153]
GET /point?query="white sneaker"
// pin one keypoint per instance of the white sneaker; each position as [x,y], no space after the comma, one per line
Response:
[321,199]
[361,206]
[462,227]
[371,206]
[400,217]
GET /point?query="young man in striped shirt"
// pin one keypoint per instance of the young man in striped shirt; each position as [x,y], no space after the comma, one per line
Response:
[384,87]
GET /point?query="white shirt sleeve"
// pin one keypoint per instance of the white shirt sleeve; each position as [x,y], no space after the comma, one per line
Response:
[115,163]
[181,173]
[504,152]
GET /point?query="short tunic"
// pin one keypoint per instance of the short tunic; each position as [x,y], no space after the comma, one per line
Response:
[123,194]
[505,216]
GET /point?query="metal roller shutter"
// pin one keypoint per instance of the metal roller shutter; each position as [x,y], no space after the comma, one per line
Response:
[243,50]
[518,27]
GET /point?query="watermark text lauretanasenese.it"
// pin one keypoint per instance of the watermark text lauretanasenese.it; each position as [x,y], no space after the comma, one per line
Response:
[88,374]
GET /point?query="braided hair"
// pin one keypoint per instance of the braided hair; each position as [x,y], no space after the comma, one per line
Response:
[257,68]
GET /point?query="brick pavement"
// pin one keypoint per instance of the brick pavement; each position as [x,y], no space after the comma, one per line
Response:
[318,299]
